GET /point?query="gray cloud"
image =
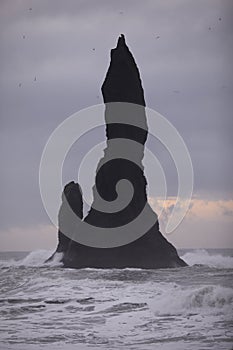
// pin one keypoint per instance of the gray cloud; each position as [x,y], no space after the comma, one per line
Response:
[186,73]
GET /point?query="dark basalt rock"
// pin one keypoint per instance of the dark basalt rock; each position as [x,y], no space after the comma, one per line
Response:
[152,250]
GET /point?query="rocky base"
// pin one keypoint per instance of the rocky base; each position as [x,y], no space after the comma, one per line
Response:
[152,251]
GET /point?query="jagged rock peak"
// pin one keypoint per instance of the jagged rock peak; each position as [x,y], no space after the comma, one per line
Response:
[121,41]
[122,82]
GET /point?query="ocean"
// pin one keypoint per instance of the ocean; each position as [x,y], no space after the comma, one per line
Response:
[44,306]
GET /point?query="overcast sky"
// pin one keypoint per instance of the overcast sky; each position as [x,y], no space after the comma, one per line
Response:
[54,56]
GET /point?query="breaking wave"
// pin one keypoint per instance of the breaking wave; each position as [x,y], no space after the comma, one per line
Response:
[201,256]
[175,300]
[34,259]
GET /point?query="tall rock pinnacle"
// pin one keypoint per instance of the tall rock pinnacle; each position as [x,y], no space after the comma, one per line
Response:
[125,119]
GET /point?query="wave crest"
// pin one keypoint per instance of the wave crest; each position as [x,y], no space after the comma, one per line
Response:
[201,256]
[34,259]
[176,300]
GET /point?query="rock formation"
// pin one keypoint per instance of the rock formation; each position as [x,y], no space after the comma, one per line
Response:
[123,96]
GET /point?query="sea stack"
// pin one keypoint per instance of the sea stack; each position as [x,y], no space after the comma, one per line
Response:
[124,98]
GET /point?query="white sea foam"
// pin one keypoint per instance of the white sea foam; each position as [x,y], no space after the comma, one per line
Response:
[176,300]
[34,259]
[128,308]
[201,256]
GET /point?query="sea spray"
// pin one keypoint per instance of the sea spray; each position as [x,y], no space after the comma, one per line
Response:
[202,256]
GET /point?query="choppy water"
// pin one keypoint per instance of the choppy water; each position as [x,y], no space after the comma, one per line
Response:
[46,306]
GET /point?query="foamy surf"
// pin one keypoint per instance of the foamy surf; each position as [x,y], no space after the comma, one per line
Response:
[183,308]
[35,258]
[203,257]
[173,299]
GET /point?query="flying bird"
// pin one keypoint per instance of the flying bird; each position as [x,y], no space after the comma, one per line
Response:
[20,84]
[209,28]
[24,37]
[157,37]
[220,19]
[35,79]
[93,49]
